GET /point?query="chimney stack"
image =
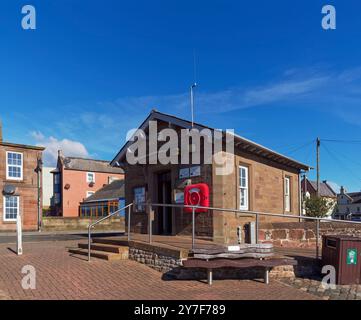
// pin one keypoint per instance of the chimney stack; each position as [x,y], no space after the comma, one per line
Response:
[342,190]
[1,131]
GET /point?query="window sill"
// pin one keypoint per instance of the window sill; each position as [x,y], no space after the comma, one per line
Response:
[14,180]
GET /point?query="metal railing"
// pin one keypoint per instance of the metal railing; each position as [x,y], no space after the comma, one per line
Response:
[105,218]
[257,214]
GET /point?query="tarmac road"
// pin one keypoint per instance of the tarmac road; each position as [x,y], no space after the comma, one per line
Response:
[55,236]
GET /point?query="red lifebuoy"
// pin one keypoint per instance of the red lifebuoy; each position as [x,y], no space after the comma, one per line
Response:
[196,195]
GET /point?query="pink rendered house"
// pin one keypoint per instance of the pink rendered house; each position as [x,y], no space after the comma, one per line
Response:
[76,179]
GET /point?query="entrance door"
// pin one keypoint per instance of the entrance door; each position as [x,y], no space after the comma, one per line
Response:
[164,214]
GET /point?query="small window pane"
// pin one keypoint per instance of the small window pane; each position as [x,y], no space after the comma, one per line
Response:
[14,165]
[11,207]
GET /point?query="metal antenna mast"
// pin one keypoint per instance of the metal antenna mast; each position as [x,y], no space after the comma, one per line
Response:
[193,86]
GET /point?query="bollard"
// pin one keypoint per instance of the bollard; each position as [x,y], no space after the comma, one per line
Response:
[19,233]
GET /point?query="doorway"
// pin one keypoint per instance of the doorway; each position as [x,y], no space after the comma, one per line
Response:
[164,214]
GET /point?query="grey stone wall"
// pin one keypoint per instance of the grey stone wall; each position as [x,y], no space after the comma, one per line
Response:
[154,260]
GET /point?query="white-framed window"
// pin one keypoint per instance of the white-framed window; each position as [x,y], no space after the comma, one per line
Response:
[57,198]
[90,177]
[11,208]
[287,190]
[57,178]
[89,193]
[14,165]
[243,188]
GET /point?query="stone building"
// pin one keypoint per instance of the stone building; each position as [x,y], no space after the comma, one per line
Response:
[20,185]
[348,205]
[76,179]
[261,180]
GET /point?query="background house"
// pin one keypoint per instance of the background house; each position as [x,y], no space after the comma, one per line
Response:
[309,189]
[107,200]
[48,188]
[348,205]
[76,179]
[20,185]
[262,180]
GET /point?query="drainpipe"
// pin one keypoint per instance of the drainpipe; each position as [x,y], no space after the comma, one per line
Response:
[300,194]
[38,171]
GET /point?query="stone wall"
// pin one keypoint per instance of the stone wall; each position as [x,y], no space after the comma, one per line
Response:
[81,224]
[169,262]
[154,260]
[26,189]
[302,234]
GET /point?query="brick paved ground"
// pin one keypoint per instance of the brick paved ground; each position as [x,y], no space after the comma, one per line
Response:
[61,276]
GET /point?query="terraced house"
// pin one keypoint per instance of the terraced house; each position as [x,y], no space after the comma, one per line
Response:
[20,184]
[76,179]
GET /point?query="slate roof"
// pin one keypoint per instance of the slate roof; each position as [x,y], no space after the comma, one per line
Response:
[112,191]
[81,164]
[240,143]
[325,189]
[355,196]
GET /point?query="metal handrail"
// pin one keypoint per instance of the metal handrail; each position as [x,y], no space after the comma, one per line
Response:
[91,225]
[254,213]
[257,214]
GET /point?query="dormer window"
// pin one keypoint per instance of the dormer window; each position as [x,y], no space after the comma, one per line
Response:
[90,177]
[14,165]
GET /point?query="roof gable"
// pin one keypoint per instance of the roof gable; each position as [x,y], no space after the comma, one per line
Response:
[240,142]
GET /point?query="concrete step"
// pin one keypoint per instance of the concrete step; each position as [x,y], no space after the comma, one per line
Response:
[109,256]
[105,247]
[116,242]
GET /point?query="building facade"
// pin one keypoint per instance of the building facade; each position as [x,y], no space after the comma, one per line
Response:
[348,205]
[261,180]
[76,179]
[309,189]
[20,185]
[48,187]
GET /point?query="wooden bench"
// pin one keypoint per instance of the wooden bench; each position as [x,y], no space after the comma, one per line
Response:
[209,265]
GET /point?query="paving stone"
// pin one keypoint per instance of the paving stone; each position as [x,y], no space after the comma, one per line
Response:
[60,275]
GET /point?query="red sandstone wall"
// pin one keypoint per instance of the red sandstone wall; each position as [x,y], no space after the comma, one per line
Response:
[302,234]
[26,189]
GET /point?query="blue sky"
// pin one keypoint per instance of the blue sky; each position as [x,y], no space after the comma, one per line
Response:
[94,69]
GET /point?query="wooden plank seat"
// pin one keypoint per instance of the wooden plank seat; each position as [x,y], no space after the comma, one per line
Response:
[209,265]
[256,251]
[242,248]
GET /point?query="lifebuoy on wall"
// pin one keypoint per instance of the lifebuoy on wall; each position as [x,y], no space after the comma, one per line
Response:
[196,195]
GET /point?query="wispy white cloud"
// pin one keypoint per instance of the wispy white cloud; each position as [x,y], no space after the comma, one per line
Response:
[105,123]
[224,100]
[52,145]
